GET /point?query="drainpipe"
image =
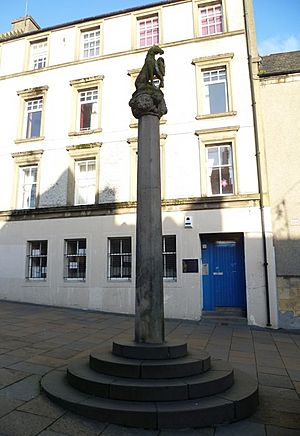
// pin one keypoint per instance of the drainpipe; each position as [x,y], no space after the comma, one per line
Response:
[258,166]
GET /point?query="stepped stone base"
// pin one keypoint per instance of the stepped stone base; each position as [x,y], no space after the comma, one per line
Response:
[163,386]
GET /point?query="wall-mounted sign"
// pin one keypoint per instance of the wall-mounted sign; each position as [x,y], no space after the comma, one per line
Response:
[190,266]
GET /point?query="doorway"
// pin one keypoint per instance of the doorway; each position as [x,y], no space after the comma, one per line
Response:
[223,271]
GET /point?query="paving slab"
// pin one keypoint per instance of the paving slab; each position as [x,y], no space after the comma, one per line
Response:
[23,424]
[25,390]
[273,430]
[241,428]
[75,425]
[271,370]
[9,376]
[31,368]
[280,381]
[41,405]
[8,405]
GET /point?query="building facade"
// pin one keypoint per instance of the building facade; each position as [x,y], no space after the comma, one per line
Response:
[68,157]
[280,91]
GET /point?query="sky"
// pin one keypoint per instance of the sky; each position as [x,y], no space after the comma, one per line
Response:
[277,21]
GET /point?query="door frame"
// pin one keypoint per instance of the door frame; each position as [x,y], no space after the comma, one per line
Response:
[211,237]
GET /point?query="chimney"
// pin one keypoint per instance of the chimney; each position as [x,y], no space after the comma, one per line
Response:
[24,25]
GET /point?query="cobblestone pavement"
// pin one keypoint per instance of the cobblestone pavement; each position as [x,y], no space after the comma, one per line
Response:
[36,339]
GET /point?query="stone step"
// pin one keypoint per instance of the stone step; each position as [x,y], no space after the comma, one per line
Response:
[218,379]
[170,349]
[224,320]
[235,403]
[104,361]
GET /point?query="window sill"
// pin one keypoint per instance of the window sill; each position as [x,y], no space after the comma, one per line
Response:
[219,196]
[22,140]
[85,132]
[37,279]
[218,115]
[118,279]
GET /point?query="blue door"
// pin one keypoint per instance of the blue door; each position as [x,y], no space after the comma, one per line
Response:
[223,271]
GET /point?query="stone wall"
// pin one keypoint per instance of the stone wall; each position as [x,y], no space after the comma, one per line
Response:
[289,301]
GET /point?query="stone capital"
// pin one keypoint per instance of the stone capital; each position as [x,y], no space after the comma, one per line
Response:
[148,101]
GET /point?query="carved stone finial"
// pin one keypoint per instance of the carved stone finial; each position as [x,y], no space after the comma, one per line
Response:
[148,99]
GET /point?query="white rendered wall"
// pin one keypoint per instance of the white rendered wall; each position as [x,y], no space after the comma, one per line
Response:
[183,298]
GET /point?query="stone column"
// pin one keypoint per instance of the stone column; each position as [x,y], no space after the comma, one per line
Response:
[149,310]
[148,106]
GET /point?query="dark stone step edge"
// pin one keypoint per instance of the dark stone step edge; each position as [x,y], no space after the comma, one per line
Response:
[185,388]
[133,350]
[191,413]
[152,369]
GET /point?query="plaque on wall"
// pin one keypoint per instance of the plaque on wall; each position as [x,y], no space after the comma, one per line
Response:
[190,266]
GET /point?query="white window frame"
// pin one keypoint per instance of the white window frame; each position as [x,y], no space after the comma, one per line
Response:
[90,43]
[83,185]
[86,88]
[37,257]
[38,54]
[208,64]
[32,101]
[219,167]
[88,97]
[32,106]
[166,255]
[122,255]
[27,187]
[211,77]
[152,29]
[204,8]
[204,4]
[138,18]
[213,137]
[79,153]
[25,159]
[72,260]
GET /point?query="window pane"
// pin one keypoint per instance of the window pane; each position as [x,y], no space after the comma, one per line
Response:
[43,247]
[115,266]
[126,245]
[81,247]
[226,181]
[215,182]
[126,273]
[217,98]
[213,156]
[81,267]
[170,243]
[85,116]
[170,267]
[72,247]
[226,156]
[28,176]
[115,246]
